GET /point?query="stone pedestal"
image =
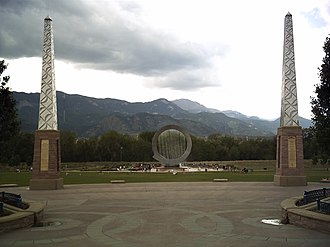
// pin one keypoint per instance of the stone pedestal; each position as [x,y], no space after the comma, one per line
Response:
[290,157]
[46,161]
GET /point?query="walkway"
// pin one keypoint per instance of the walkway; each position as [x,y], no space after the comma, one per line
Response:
[164,214]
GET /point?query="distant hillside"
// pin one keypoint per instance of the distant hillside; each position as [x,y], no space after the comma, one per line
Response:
[258,123]
[140,122]
[238,115]
[192,106]
[91,116]
[81,114]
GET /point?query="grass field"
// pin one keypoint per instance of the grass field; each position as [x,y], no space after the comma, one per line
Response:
[90,177]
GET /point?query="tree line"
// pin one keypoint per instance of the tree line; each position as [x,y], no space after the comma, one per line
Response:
[115,147]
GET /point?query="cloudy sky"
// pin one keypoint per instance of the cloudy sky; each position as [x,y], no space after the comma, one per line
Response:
[222,54]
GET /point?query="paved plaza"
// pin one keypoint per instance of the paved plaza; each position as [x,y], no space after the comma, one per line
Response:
[164,214]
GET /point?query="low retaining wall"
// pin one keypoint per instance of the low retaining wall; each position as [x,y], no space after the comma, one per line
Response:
[303,216]
[20,218]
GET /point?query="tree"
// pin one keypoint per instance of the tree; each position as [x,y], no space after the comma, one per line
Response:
[321,105]
[68,144]
[310,144]
[9,124]
[24,147]
[147,136]
[110,146]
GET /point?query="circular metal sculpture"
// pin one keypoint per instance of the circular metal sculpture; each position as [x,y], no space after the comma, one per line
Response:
[171,145]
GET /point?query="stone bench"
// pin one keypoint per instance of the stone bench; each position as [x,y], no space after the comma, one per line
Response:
[119,181]
[220,180]
[8,185]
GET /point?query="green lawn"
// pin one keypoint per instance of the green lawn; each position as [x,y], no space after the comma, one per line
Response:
[22,178]
[137,177]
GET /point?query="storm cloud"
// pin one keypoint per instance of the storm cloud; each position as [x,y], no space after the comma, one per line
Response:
[104,36]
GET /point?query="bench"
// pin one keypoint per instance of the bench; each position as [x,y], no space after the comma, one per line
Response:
[323,205]
[11,199]
[118,181]
[8,185]
[314,195]
[220,180]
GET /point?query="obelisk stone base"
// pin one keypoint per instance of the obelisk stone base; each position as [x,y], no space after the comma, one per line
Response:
[46,161]
[289,157]
[290,180]
[46,184]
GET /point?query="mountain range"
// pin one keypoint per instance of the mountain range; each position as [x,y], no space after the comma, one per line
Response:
[87,116]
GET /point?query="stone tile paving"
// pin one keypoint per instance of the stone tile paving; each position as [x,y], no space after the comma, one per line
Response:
[164,214]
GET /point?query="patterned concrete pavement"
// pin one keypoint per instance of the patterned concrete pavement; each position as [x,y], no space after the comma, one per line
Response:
[164,214]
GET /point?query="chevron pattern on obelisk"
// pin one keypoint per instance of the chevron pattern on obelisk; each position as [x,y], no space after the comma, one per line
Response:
[48,107]
[289,104]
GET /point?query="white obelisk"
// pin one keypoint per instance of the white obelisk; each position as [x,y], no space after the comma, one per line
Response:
[47,155]
[48,107]
[289,104]
[289,155]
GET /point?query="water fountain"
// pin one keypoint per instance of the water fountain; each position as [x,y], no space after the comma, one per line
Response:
[171,145]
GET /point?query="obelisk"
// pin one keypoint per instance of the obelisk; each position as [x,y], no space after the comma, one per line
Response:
[47,155]
[289,154]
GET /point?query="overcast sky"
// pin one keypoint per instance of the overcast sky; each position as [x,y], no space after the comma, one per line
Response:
[223,54]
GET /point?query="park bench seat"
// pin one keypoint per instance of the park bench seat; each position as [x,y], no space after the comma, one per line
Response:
[314,195]
[11,199]
[324,205]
